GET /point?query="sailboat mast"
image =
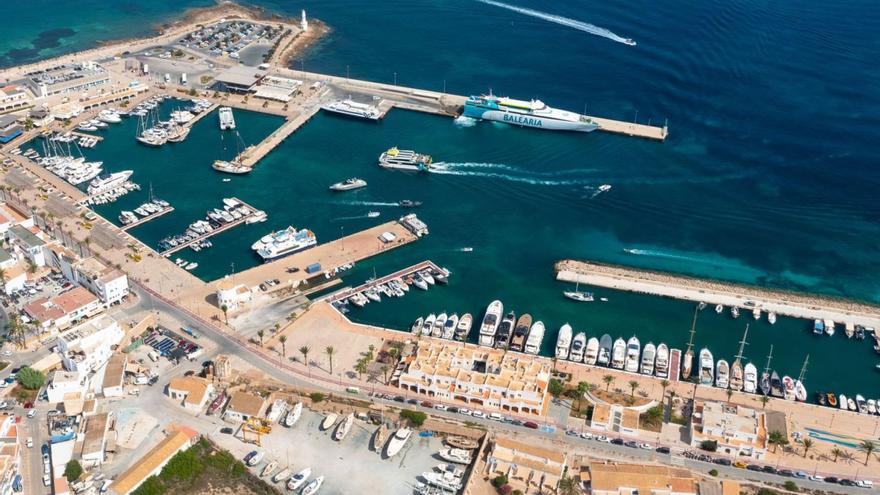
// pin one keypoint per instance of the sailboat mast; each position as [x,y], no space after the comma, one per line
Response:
[769,357]
[693,330]
[804,369]
[742,344]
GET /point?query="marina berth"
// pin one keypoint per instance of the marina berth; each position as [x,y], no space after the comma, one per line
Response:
[533,341]
[520,332]
[592,353]
[578,346]
[649,354]
[490,323]
[707,367]
[618,354]
[633,348]
[533,113]
[463,329]
[563,343]
[351,108]
[661,364]
[605,350]
[502,335]
[398,159]
[722,374]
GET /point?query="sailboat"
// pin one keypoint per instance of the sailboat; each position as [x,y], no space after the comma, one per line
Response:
[234,166]
[577,295]
[688,359]
[765,376]
[736,370]
[800,392]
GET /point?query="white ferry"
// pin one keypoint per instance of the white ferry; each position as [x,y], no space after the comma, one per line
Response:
[353,109]
[106,183]
[283,243]
[227,121]
[405,160]
[533,113]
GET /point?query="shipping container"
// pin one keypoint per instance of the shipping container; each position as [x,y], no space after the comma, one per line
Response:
[313,268]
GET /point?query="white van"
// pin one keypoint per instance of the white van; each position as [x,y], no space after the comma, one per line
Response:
[153,356]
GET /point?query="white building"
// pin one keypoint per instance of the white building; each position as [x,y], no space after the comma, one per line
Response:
[109,284]
[14,98]
[30,244]
[65,385]
[191,392]
[737,430]
[88,347]
[231,295]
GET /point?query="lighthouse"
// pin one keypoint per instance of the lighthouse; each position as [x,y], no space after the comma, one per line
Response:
[303,23]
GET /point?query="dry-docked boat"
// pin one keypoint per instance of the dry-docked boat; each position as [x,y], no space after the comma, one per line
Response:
[329,421]
[379,437]
[344,427]
[397,441]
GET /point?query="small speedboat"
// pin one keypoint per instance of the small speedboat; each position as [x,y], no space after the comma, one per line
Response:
[299,479]
[416,328]
[349,184]
[406,203]
[843,402]
[719,308]
[734,312]
[329,421]
[831,399]
[313,486]
[771,317]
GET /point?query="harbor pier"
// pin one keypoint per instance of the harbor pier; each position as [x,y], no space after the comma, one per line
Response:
[222,228]
[147,218]
[727,294]
[250,156]
[403,273]
[199,116]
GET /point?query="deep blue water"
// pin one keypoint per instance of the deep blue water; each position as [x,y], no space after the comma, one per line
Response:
[768,176]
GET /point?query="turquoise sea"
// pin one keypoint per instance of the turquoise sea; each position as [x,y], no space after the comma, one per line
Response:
[767,177]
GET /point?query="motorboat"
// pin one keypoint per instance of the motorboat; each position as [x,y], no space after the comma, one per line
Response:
[464,327]
[843,402]
[604,356]
[577,348]
[872,406]
[329,421]
[592,353]
[618,354]
[452,469]
[299,479]
[454,455]
[408,203]
[349,184]
[649,355]
[861,405]
[520,332]
[829,327]
[851,404]
[750,378]
[771,318]
[849,329]
[269,469]
[254,458]
[756,313]
[428,325]
[661,364]
[736,375]
[450,326]
[293,415]
[416,328]
[437,330]
[707,367]
[397,441]
[633,351]
[490,323]
[831,399]
[777,388]
[818,327]
[446,482]
[564,343]
[734,312]
[533,341]
[719,308]
[787,387]
[505,329]
[800,392]
[687,363]
[722,374]
[343,428]
[313,486]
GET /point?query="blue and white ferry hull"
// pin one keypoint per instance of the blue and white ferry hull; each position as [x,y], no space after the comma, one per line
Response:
[528,120]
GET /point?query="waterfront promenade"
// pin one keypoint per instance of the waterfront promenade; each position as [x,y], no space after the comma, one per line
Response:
[711,292]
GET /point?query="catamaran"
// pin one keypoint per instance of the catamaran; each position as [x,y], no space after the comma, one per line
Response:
[405,160]
[490,323]
[563,343]
[227,121]
[283,243]
[534,113]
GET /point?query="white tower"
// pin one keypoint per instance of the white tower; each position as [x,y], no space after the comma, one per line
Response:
[303,23]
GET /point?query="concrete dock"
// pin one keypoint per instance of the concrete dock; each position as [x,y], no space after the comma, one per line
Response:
[147,218]
[222,228]
[711,292]
[199,116]
[250,156]
[402,274]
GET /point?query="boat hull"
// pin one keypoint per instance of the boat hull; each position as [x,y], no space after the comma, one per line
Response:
[534,121]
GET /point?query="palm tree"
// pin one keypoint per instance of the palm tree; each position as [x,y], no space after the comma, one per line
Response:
[329,351]
[305,350]
[868,447]
[633,385]
[608,379]
[808,442]
[837,453]
[261,333]
[568,486]
[394,352]
[764,401]
[729,393]
[582,388]
[664,383]
[370,352]
[361,367]
[554,363]
[777,438]
[385,369]
[277,327]
[283,340]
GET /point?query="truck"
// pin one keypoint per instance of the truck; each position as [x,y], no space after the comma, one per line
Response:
[313,268]
[183,78]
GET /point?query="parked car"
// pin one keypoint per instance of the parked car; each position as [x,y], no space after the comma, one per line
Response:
[32,413]
[663,450]
[800,474]
[226,430]
[452,409]
[831,479]
[531,424]
[478,414]
[645,446]
[440,407]
[846,482]
[586,435]
[603,439]
[631,444]
[865,484]
[788,473]
[754,467]
[816,477]
[465,411]
[739,464]
[769,469]
[722,461]
[617,441]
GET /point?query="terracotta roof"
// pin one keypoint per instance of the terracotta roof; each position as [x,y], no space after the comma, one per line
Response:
[195,388]
[246,404]
[75,299]
[530,449]
[136,474]
[642,477]
[43,310]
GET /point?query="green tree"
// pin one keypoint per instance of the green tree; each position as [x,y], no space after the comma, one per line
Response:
[608,379]
[654,414]
[777,438]
[261,333]
[729,393]
[868,447]
[633,385]
[385,369]
[184,466]
[764,401]
[30,378]
[713,472]
[330,351]
[415,418]
[709,445]
[568,486]
[317,397]
[664,383]
[394,352]
[283,340]
[225,310]
[582,388]
[72,471]
[499,481]
[836,452]
[555,387]
[16,328]
[151,486]
[808,442]
[361,367]
[791,486]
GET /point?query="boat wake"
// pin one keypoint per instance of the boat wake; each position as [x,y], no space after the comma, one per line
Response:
[563,21]
[463,121]
[447,166]
[356,217]
[595,191]
[535,180]
[365,203]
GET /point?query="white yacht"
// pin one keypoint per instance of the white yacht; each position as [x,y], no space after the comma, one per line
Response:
[107,183]
[649,354]
[437,330]
[227,121]
[722,374]
[661,364]
[349,184]
[397,441]
[181,116]
[428,325]
[284,242]
[293,415]
[450,326]
[563,342]
[578,346]
[231,167]
[536,335]
[464,327]
[750,378]
[633,348]
[405,160]
[454,455]
[299,479]
[618,354]
[707,367]
[352,108]
[490,323]
[592,353]
[343,428]
[829,327]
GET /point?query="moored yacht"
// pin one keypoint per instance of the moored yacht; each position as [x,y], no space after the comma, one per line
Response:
[661,364]
[230,167]
[283,243]
[491,320]
[533,341]
[787,387]
[109,182]
[450,326]
[437,329]
[649,354]
[605,346]
[777,388]
[750,378]
[633,348]
[829,327]
[464,327]
[505,328]
[592,353]
[707,367]
[428,325]
[563,342]
[578,346]
[722,374]
[618,354]
[818,327]
[520,331]
[227,121]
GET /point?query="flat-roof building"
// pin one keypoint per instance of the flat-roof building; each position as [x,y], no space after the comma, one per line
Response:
[190,391]
[738,430]
[9,128]
[615,418]
[67,78]
[95,440]
[238,79]
[526,465]
[276,88]
[114,375]
[14,98]
[243,406]
[638,479]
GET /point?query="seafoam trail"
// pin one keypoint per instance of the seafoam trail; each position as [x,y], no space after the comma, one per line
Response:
[563,21]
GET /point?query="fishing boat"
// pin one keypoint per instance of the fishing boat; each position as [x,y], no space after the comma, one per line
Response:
[831,399]
[329,421]
[416,328]
[397,441]
[818,327]
[299,479]
[313,486]
[454,455]
[505,329]
[736,370]
[661,364]
[462,443]
[293,415]
[578,346]
[450,326]
[722,374]
[592,353]
[707,367]
[649,354]
[269,469]
[379,437]
[564,344]
[578,295]
[464,327]
[520,332]
[281,476]
[604,356]
[349,184]
[750,378]
[343,428]
[687,362]
[633,349]
[533,341]
[618,354]
[829,327]
[787,387]
[777,388]
[490,323]
[437,329]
